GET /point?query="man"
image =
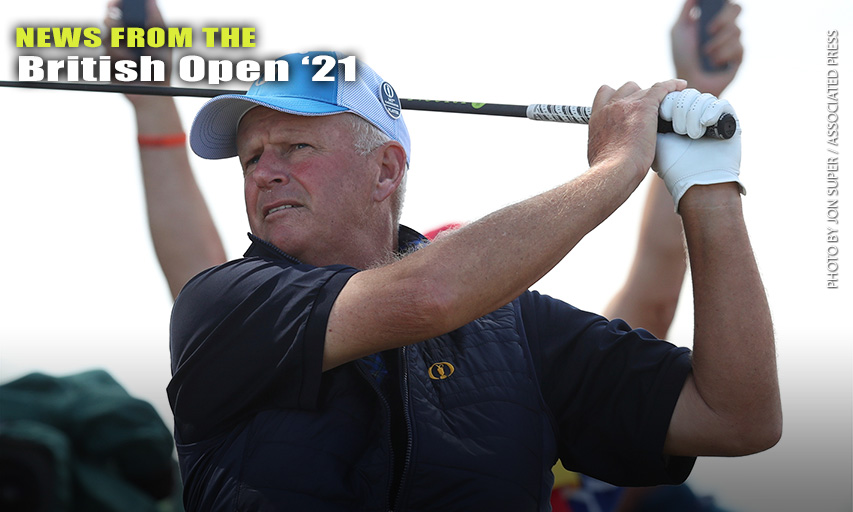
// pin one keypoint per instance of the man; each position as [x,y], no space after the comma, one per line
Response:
[326,372]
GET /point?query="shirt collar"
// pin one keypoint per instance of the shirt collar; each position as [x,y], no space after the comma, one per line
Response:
[408,240]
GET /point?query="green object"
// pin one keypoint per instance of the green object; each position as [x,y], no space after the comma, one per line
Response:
[81,442]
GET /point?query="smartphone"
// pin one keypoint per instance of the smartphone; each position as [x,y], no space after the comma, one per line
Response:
[708,10]
[133,13]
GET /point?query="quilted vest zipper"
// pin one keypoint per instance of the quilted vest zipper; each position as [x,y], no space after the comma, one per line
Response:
[270,247]
[404,394]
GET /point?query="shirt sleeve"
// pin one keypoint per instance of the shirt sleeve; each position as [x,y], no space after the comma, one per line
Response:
[248,336]
[611,390]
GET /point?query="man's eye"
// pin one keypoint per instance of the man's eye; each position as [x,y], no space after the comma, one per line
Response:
[250,162]
[301,145]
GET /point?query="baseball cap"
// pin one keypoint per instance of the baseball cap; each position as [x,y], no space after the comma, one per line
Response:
[214,130]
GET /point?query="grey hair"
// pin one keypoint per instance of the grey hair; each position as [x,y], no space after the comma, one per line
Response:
[369,137]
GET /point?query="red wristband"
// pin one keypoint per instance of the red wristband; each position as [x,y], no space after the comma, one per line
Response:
[162,141]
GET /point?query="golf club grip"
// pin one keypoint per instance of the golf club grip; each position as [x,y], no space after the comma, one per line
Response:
[724,128]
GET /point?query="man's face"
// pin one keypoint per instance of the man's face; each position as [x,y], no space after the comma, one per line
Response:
[307,190]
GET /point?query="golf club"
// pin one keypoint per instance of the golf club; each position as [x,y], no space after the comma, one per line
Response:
[724,128]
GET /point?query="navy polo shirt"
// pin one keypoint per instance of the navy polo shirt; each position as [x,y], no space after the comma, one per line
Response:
[247,342]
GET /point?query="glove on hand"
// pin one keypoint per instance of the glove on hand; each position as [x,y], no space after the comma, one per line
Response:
[683,161]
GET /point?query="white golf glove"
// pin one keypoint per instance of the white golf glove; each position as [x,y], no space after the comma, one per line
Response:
[683,161]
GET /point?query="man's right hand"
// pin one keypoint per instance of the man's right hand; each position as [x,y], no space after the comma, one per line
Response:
[623,126]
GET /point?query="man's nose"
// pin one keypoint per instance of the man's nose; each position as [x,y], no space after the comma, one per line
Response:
[270,171]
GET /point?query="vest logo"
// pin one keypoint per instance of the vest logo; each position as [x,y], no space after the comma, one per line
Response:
[441,371]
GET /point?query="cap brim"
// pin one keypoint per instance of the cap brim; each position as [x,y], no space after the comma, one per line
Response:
[214,130]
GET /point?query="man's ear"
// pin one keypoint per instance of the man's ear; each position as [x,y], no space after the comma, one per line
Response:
[392,166]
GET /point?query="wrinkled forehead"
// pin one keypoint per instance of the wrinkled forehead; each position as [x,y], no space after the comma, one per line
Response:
[253,116]
[268,120]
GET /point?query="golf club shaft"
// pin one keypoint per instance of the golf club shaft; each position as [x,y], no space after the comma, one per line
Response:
[723,129]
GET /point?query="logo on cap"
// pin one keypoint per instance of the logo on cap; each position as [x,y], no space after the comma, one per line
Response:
[390,100]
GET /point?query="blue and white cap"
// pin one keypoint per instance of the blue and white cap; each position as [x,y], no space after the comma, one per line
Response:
[214,131]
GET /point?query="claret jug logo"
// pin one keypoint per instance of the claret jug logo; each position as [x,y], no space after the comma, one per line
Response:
[441,371]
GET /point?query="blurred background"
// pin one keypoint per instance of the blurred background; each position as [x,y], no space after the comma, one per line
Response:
[81,287]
